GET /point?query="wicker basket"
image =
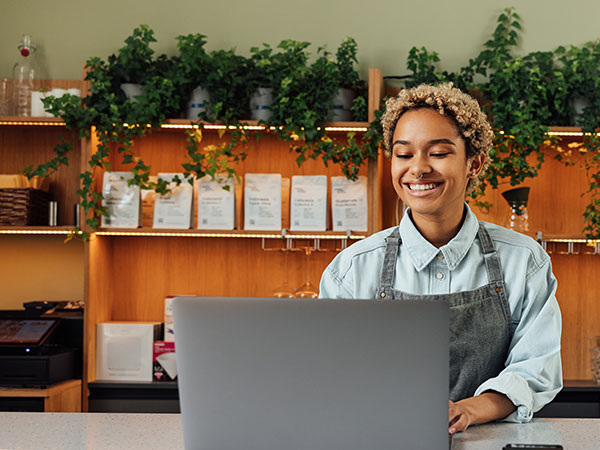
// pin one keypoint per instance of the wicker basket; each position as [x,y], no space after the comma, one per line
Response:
[24,206]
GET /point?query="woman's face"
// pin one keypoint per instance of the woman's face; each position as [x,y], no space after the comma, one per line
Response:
[430,170]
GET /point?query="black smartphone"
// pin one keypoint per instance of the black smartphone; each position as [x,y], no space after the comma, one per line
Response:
[532,447]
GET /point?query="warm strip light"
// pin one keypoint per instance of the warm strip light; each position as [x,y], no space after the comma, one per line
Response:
[254,127]
[23,231]
[569,133]
[28,123]
[574,241]
[346,129]
[227,235]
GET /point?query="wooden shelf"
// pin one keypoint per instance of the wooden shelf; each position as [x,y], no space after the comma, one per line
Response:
[180,124]
[61,397]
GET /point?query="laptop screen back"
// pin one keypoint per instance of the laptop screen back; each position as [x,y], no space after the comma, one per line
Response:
[272,374]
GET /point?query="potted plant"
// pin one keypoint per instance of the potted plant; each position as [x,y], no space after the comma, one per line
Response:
[266,72]
[581,67]
[348,80]
[132,66]
[225,81]
[193,65]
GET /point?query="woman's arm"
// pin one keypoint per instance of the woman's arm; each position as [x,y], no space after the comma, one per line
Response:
[480,409]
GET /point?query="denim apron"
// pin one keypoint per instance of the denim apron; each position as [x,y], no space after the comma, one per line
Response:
[480,330]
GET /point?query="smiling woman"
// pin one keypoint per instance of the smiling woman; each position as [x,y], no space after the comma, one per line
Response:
[505,323]
[430,171]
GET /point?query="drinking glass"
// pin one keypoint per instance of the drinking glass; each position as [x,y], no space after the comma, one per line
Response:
[3,97]
[307,290]
[284,291]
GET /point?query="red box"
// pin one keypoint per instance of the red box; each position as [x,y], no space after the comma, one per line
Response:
[164,367]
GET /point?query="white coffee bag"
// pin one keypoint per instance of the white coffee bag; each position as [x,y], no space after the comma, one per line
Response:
[349,207]
[174,210]
[308,204]
[262,201]
[121,201]
[216,205]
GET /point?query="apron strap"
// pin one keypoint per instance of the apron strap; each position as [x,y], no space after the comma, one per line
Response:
[392,243]
[490,256]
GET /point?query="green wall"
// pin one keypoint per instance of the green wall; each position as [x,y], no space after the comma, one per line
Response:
[69,31]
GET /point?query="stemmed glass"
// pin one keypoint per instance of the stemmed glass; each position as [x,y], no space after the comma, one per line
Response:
[284,291]
[307,290]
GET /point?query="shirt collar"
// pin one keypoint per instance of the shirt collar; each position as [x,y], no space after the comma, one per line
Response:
[422,252]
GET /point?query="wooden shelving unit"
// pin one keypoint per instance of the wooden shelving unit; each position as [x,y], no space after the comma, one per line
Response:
[128,273]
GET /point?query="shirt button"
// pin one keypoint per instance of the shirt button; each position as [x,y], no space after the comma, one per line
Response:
[440,256]
[439,275]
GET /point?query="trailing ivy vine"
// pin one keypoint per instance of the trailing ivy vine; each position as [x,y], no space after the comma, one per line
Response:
[304,94]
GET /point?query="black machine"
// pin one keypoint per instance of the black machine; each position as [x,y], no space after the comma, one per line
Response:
[41,345]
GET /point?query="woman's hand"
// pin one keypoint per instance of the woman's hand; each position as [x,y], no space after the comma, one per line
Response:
[458,417]
[480,409]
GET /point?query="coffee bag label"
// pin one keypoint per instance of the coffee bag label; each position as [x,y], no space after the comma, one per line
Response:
[349,206]
[262,201]
[216,203]
[174,209]
[308,203]
[121,201]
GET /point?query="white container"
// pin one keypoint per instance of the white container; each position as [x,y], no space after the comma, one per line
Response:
[578,104]
[124,350]
[198,103]
[341,104]
[132,90]
[260,104]
[37,107]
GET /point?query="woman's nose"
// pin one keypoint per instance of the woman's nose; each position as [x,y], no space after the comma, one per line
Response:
[419,167]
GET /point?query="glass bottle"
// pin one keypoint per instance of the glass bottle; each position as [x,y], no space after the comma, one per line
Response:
[518,217]
[24,74]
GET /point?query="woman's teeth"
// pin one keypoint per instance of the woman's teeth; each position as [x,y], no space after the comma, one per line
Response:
[422,187]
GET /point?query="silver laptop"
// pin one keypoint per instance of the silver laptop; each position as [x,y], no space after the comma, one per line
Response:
[274,374]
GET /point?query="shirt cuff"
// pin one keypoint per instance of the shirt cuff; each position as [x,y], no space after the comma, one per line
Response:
[517,390]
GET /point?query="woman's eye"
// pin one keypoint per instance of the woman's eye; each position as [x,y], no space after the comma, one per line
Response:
[440,154]
[403,156]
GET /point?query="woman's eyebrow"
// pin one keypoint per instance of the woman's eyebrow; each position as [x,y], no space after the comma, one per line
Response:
[429,144]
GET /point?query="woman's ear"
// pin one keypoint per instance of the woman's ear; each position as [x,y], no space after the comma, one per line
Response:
[475,165]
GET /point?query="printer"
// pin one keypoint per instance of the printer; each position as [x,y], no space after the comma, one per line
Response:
[41,345]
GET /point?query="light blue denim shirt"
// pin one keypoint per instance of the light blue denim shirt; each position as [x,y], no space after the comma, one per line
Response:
[533,374]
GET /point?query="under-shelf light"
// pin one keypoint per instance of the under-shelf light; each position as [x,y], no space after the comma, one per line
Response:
[569,133]
[254,127]
[30,123]
[228,235]
[36,232]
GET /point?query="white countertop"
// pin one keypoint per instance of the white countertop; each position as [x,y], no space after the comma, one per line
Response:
[96,431]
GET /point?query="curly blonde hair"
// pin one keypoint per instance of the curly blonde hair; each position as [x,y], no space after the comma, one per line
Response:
[463,109]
